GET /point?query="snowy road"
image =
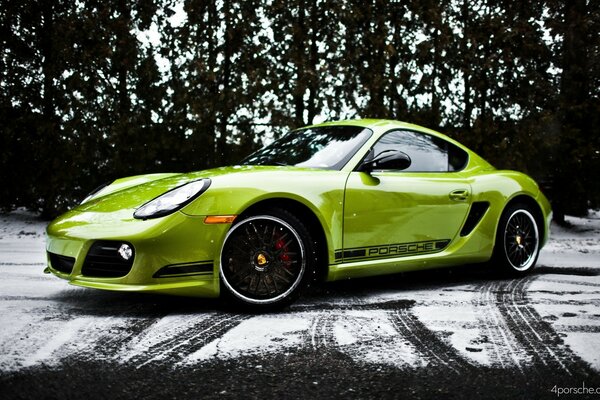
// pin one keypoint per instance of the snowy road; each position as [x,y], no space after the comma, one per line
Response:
[459,322]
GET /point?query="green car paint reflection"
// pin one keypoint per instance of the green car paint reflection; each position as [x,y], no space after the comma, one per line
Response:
[331,201]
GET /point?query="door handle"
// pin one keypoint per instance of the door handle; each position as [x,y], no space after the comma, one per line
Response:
[459,195]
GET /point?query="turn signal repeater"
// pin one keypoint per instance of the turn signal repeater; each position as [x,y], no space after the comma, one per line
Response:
[219,219]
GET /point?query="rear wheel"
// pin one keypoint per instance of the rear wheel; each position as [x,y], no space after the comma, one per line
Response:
[267,259]
[517,240]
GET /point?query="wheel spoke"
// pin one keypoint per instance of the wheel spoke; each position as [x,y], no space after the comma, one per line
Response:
[256,234]
[248,238]
[273,235]
[269,284]
[254,284]
[281,277]
[264,235]
[238,250]
[521,257]
[244,278]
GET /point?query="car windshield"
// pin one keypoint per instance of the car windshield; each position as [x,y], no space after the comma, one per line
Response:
[328,147]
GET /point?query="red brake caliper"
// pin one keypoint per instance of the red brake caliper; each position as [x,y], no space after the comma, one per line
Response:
[280,244]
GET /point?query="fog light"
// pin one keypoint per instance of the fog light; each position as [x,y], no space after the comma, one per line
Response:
[125,251]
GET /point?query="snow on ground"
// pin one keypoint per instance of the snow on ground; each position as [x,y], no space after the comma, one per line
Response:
[266,333]
[578,245]
[476,321]
[22,239]
[571,301]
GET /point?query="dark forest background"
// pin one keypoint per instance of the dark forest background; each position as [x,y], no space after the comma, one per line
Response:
[88,92]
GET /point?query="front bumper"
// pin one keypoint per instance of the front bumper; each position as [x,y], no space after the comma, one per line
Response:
[176,254]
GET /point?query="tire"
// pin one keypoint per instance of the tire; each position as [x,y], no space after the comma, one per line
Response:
[517,240]
[267,260]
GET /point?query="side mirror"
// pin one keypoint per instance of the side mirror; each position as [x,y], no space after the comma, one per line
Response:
[387,159]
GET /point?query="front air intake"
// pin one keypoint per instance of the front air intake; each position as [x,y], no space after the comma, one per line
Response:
[60,263]
[107,259]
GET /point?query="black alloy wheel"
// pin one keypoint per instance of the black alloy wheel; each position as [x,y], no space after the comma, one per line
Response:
[517,240]
[266,259]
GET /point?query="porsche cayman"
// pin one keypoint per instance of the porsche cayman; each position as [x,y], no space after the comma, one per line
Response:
[331,201]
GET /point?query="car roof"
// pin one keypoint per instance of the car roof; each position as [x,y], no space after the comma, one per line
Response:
[365,122]
[380,126]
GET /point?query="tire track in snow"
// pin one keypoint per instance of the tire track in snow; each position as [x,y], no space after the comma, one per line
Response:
[427,342]
[517,334]
[320,335]
[21,264]
[503,348]
[182,343]
[572,282]
[121,336]
[579,328]
[535,336]
[553,302]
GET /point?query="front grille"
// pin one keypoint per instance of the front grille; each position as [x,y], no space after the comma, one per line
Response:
[60,263]
[103,260]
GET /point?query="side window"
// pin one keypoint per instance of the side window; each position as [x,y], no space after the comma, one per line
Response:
[427,153]
[457,158]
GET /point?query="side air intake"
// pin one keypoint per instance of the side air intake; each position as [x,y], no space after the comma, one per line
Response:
[476,212]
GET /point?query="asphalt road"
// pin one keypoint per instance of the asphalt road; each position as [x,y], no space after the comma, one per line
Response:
[454,333]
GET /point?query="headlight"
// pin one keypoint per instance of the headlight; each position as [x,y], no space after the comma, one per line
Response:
[95,192]
[172,200]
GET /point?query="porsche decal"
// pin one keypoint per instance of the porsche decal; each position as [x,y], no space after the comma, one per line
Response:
[391,250]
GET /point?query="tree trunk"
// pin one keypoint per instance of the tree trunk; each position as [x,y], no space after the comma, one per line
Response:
[570,194]
[123,59]
[300,89]
[466,73]
[48,67]
[225,78]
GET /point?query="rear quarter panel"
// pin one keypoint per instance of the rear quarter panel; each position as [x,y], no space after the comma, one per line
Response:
[498,188]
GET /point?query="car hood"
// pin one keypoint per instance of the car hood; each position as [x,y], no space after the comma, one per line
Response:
[132,192]
[109,214]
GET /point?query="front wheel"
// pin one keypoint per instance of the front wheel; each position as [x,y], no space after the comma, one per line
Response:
[266,260]
[517,240]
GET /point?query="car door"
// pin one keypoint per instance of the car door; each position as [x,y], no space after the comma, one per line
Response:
[418,210]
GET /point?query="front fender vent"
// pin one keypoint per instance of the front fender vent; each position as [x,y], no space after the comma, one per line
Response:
[476,212]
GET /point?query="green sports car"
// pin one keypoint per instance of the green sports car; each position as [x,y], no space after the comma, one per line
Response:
[331,201]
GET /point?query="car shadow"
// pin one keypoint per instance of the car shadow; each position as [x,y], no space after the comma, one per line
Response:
[433,279]
[90,302]
[93,302]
